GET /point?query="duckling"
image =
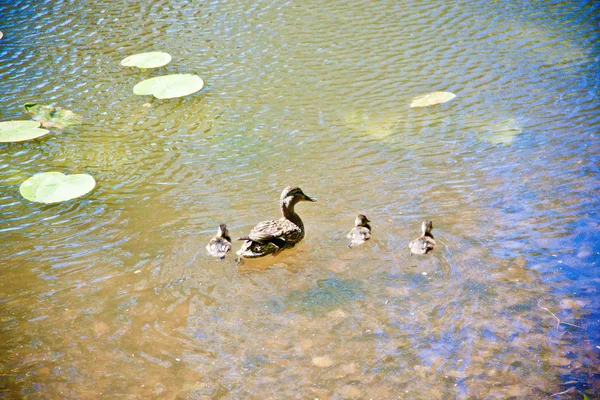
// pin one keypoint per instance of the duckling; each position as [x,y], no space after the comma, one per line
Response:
[424,243]
[361,232]
[271,237]
[220,244]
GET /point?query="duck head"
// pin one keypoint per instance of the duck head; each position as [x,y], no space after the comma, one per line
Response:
[292,195]
[361,220]
[427,226]
[222,232]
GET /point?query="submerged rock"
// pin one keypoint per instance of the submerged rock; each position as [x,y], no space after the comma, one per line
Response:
[325,296]
[322,361]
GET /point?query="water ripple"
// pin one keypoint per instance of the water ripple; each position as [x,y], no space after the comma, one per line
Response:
[315,94]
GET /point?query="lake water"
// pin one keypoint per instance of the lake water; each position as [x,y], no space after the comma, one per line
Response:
[113,295]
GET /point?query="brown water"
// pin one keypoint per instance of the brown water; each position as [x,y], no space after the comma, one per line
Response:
[113,296]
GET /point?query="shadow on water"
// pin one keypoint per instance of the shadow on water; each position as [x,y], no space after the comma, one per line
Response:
[326,295]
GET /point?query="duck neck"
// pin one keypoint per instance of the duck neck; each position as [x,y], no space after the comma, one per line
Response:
[287,209]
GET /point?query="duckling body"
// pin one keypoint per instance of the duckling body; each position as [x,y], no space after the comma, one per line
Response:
[220,244]
[424,243]
[361,232]
[271,237]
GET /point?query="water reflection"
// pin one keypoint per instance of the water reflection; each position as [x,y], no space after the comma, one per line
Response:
[113,295]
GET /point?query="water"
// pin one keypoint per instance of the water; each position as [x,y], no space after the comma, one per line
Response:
[113,296]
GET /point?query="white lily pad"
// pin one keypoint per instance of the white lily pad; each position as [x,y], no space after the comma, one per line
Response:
[431,99]
[169,86]
[18,131]
[152,59]
[54,187]
[51,116]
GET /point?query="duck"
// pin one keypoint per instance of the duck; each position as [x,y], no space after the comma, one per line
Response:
[272,237]
[424,243]
[220,244]
[361,232]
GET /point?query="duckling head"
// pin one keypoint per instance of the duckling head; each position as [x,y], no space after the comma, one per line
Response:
[222,232]
[361,220]
[427,226]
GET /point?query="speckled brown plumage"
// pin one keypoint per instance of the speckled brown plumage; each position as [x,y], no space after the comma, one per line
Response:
[271,237]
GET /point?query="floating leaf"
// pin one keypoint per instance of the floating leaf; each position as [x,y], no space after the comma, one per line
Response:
[18,131]
[54,187]
[52,117]
[503,132]
[1,34]
[381,128]
[169,86]
[431,99]
[152,59]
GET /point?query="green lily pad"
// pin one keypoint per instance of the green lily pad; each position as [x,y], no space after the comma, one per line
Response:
[54,187]
[431,99]
[52,117]
[152,59]
[18,131]
[169,86]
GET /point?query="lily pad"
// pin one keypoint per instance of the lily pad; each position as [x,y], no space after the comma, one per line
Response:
[378,127]
[54,187]
[431,99]
[503,132]
[18,131]
[152,59]
[169,86]
[52,117]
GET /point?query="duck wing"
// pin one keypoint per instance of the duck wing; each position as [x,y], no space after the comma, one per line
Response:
[276,232]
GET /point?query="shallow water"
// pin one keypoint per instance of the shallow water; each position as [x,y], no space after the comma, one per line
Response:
[113,296]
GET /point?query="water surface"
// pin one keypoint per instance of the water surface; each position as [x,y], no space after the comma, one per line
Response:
[113,296]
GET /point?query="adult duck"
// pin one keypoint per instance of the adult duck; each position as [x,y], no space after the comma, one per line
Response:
[271,237]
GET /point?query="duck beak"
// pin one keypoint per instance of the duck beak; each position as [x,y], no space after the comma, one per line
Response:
[309,198]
